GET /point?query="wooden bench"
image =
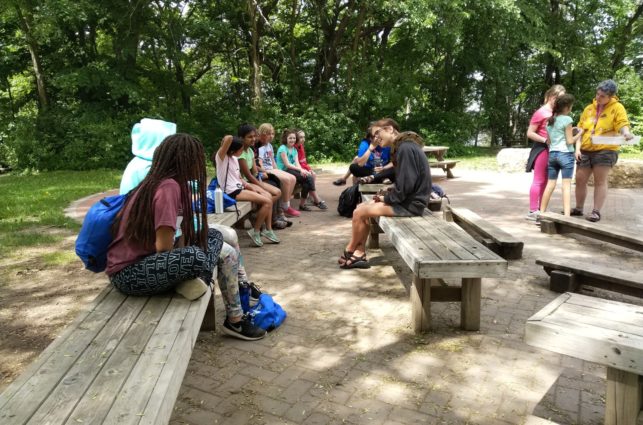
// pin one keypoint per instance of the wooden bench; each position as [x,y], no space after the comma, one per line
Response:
[490,235]
[434,250]
[609,333]
[557,223]
[121,361]
[230,216]
[372,188]
[567,275]
[445,165]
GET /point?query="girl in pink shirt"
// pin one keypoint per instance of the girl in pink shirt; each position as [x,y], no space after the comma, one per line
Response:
[539,155]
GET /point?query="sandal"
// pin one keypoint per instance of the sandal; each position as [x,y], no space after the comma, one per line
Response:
[576,212]
[304,207]
[366,180]
[344,257]
[354,262]
[594,216]
[339,182]
[321,205]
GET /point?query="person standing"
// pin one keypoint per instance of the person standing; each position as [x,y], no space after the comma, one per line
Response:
[539,155]
[605,116]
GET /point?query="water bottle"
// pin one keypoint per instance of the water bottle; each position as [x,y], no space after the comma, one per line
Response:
[218,200]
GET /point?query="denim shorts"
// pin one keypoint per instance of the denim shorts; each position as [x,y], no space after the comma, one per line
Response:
[605,158]
[560,161]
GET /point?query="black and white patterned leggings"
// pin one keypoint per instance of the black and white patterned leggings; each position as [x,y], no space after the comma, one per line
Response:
[163,271]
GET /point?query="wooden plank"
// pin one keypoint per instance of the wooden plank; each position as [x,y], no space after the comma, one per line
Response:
[470,308]
[603,232]
[53,348]
[130,406]
[605,272]
[623,397]
[228,218]
[71,387]
[484,228]
[98,399]
[23,402]
[625,322]
[550,308]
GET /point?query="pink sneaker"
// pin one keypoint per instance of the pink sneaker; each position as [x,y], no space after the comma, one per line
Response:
[291,212]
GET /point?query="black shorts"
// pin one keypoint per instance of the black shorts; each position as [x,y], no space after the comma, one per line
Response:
[273,181]
[234,194]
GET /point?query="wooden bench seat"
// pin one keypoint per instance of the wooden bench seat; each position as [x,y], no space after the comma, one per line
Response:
[490,235]
[557,223]
[230,216]
[567,275]
[606,332]
[446,165]
[373,188]
[434,250]
[121,361]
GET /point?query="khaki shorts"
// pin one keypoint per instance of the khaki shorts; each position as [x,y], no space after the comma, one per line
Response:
[605,158]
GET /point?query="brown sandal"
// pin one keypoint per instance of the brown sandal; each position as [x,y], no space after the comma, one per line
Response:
[594,216]
[344,257]
[355,262]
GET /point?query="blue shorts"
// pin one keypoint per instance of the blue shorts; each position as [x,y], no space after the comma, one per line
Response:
[560,161]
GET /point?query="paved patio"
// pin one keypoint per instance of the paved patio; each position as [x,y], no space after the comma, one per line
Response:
[346,353]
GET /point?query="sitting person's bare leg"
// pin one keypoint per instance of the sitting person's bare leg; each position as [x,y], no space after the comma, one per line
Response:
[355,253]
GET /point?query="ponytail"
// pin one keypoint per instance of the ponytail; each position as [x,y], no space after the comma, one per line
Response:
[562,102]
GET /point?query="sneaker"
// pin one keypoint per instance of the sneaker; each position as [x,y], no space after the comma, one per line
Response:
[255,292]
[270,235]
[533,215]
[321,205]
[243,330]
[339,182]
[278,224]
[192,289]
[256,237]
[291,212]
[282,217]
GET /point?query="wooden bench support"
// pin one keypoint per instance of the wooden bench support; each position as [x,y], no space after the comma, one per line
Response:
[445,165]
[421,304]
[623,397]
[470,309]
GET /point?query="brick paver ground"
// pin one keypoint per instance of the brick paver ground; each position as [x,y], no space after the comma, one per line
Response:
[347,354]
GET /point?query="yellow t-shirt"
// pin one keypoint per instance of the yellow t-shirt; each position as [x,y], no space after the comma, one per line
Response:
[611,120]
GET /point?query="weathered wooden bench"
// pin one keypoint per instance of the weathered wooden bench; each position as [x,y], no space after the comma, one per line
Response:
[372,188]
[446,166]
[557,223]
[435,250]
[567,275]
[230,217]
[609,333]
[121,361]
[490,235]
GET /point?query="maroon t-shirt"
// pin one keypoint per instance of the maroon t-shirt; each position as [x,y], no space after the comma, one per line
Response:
[167,205]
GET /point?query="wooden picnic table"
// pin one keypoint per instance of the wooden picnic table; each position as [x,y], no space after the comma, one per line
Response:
[437,151]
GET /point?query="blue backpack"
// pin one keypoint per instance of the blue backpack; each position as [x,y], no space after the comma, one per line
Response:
[266,314]
[228,201]
[95,236]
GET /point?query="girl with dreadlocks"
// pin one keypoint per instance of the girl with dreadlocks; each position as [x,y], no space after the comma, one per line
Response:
[144,258]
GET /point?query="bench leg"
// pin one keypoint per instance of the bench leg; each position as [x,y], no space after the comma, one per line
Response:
[209,318]
[561,281]
[421,304]
[449,173]
[548,227]
[470,308]
[374,235]
[623,397]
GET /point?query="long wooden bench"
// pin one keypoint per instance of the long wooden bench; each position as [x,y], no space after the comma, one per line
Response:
[121,361]
[230,217]
[490,235]
[435,250]
[567,275]
[557,223]
[445,165]
[606,332]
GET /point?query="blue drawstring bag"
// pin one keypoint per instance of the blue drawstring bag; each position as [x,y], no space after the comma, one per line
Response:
[266,314]
[228,201]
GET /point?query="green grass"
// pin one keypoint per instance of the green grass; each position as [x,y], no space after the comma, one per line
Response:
[31,203]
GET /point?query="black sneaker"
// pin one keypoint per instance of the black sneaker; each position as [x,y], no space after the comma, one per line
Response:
[243,330]
[255,293]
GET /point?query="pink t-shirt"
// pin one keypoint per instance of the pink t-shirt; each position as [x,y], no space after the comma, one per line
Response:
[540,118]
[167,209]
[228,173]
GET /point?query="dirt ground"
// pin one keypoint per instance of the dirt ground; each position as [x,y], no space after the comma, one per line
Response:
[37,301]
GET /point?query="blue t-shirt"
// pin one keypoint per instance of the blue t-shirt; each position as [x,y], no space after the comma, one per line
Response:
[382,153]
[291,154]
[556,133]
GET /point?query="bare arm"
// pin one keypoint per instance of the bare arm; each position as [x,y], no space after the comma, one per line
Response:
[570,139]
[625,131]
[164,239]
[532,135]
[247,172]
[362,160]
[223,149]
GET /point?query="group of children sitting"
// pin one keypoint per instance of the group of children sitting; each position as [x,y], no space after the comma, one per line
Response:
[248,170]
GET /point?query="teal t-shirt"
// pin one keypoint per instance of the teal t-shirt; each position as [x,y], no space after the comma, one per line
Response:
[291,154]
[556,133]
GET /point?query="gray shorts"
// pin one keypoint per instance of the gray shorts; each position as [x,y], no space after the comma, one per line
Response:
[605,158]
[400,211]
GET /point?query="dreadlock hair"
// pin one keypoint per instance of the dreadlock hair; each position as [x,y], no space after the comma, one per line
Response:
[180,157]
[284,135]
[562,102]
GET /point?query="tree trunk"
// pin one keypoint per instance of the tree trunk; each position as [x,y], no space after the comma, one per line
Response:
[25,21]
[255,59]
[624,38]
